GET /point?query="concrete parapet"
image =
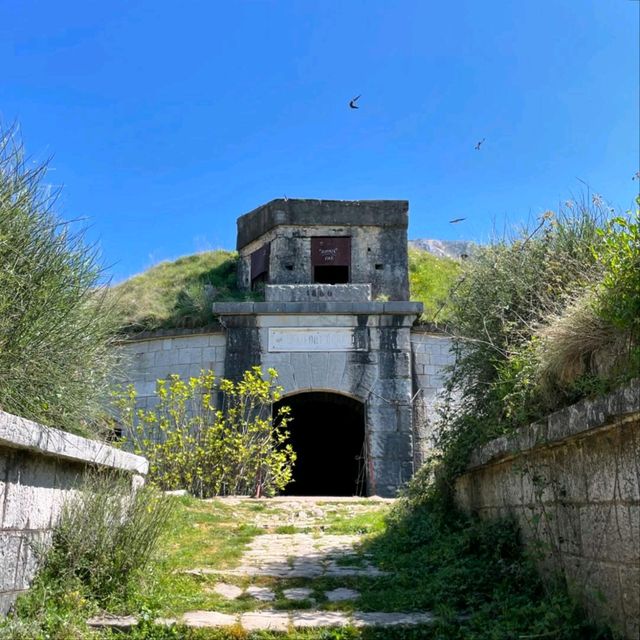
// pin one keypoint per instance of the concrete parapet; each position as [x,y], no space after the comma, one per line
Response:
[40,468]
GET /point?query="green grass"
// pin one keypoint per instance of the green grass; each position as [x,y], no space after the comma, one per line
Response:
[472,575]
[179,293]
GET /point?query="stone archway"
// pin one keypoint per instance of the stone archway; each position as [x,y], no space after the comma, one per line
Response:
[328,435]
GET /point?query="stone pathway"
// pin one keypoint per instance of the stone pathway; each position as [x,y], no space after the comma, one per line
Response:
[299,555]
[306,557]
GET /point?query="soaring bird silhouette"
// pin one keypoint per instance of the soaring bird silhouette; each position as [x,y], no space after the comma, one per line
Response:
[455,220]
[477,147]
[352,103]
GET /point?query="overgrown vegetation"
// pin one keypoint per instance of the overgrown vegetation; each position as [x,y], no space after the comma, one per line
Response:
[430,280]
[180,293]
[540,321]
[100,553]
[236,447]
[471,575]
[55,324]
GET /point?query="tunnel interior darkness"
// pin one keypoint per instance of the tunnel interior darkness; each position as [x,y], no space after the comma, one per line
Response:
[327,433]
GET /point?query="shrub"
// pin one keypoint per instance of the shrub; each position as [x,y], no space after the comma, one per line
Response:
[105,538]
[430,279]
[100,553]
[55,326]
[238,448]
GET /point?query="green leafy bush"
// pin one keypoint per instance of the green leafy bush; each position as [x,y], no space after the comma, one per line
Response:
[55,325]
[237,448]
[619,254]
[430,280]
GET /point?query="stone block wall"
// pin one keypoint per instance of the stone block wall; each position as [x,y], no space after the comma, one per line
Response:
[40,467]
[572,481]
[430,354]
[154,355]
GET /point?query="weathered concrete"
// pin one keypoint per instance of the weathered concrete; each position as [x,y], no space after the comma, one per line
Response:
[40,467]
[317,292]
[375,370]
[431,355]
[377,229]
[572,481]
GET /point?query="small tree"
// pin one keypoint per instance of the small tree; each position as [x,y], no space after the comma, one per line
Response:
[237,448]
[55,327]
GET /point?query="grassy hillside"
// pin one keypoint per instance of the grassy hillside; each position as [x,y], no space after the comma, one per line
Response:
[180,293]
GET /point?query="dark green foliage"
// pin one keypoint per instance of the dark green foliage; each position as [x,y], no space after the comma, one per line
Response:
[55,325]
[472,574]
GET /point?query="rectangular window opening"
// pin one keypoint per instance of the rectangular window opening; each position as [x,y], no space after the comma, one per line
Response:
[331,274]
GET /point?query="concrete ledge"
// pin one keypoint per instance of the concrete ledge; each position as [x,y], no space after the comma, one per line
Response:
[159,334]
[314,308]
[570,422]
[318,292]
[20,433]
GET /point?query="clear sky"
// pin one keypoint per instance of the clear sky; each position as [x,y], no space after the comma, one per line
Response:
[167,120]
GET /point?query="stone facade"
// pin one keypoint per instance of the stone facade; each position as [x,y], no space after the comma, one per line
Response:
[572,481]
[39,468]
[352,337]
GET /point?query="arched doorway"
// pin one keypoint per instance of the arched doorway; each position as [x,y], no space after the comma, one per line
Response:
[327,433]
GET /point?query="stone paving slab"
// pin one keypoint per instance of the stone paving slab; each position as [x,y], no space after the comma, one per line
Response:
[389,618]
[297,593]
[122,623]
[340,594]
[265,621]
[261,593]
[271,620]
[208,619]
[229,591]
[301,555]
[317,619]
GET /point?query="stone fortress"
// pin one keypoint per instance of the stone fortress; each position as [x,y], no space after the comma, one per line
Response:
[362,378]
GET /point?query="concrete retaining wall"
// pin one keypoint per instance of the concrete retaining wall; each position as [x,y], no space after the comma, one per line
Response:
[572,481]
[39,468]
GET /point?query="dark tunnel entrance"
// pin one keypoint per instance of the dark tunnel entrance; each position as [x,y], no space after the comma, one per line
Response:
[327,433]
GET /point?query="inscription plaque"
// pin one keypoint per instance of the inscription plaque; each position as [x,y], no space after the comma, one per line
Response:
[316,339]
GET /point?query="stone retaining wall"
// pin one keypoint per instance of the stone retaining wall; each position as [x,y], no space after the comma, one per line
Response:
[155,355]
[431,355]
[39,468]
[572,481]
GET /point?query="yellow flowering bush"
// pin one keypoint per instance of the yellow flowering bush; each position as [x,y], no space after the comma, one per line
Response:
[212,436]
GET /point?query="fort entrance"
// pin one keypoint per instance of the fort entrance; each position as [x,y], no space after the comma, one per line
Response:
[335,323]
[327,433]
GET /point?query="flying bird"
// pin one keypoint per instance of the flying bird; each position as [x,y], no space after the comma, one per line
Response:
[352,103]
[477,147]
[455,220]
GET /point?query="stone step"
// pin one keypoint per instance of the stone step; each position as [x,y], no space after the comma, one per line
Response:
[273,620]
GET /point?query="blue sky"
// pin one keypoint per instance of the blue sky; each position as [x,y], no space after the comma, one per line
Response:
[168,120]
